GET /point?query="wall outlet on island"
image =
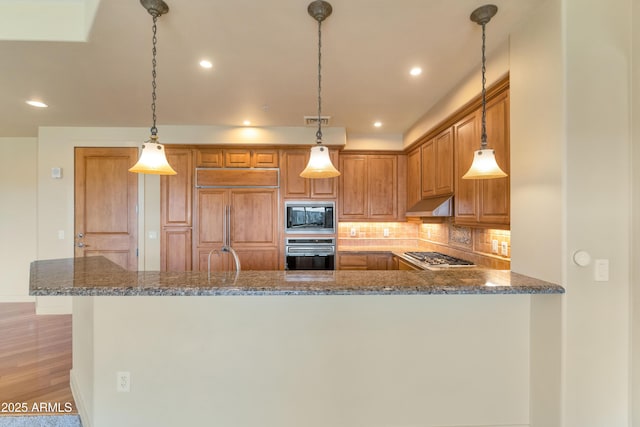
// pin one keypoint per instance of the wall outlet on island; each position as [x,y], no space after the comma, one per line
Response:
[352,232]
[494,246]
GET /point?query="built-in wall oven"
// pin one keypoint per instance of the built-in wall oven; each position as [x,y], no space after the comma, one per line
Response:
[310,253]
[310,217]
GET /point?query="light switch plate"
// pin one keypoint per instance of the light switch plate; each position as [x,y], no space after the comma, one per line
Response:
[601,270]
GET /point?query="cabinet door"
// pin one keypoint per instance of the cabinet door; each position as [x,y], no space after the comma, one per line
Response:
[326,188]
[237,158]
[293,185]
[210,208]
[209,158]
[258,259]
[429,169]
[254,217]
[352,261]
[414,177]
[467,137]
[382,187]
[378,261]
[175,190]
[443,176]
[353,187]
[264,158]
[494,198]
[176,254]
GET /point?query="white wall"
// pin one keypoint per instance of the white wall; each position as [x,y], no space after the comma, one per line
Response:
[308,361]
[537,193]
[17,216]
[598,144]
[635,199]
[571,145]
[497,67]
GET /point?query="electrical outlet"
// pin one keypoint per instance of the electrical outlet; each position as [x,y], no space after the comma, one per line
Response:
[60,234]
[428,233]
[494,246]
[385,232]
[504,248]
[352,232]
[123,382]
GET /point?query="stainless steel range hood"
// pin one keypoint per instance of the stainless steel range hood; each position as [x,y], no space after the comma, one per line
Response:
[436,206]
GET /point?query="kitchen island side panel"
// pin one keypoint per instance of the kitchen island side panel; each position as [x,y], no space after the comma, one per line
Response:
[282,361]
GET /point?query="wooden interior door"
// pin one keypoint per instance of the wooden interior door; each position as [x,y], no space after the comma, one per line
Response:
[106,197]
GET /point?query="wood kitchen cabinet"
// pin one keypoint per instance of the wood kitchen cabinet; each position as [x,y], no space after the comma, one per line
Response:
[437,165]
[292,162]
[364,261]
[414,176]
[236,158]
[176,213]
[252,226]
[483,202]
[192,220]
[372,187]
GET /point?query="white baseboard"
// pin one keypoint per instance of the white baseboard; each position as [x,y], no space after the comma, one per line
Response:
[17,298]
[80,403]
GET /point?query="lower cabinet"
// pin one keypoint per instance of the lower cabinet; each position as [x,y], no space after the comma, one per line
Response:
[400,264]
[364,261]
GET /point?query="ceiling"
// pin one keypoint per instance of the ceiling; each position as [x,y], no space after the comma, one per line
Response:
[264,56]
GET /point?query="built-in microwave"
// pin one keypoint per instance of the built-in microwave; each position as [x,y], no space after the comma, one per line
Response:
[310,217]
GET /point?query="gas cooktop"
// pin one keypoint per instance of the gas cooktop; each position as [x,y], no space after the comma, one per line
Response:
[438,260]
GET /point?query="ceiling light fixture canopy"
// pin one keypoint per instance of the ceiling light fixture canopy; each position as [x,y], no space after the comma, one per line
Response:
[484,165]
[153,159]
[319,165]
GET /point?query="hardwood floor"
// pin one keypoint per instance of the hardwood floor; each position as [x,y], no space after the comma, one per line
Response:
[35,359]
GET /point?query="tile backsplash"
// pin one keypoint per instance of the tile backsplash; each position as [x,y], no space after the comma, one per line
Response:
[487,247]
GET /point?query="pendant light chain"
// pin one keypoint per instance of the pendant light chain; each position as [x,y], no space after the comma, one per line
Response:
[154,130]
[483,138]
[319,133]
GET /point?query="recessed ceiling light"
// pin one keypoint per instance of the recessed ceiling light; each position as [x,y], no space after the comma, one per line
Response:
[206,64]
[377,124]
[38,104]
[246,123]
[415,71]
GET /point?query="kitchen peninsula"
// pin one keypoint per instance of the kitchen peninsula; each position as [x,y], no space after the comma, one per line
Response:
[93,276]
[291,348]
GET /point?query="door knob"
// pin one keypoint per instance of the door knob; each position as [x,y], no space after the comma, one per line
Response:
[80,235]
[82,245]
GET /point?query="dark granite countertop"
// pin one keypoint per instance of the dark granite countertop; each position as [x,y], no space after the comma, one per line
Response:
[99,276]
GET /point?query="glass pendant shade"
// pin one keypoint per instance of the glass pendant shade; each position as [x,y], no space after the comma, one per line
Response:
[484,166]
[153,160]
[319,165]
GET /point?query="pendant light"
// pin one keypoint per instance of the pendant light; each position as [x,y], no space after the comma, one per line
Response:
[153,159]
[319,165]
[484,164]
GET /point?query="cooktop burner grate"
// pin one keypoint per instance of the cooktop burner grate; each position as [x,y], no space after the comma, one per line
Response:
[438,259]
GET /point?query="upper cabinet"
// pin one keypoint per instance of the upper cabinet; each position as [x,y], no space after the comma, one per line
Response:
[236,158]
[371,187]
[483,202]
[292,162]
[437,165]
[414,176]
